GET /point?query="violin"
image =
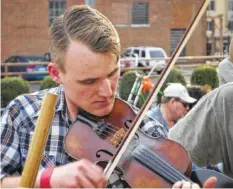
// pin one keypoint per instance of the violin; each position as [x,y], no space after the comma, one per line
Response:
[146,155]
[150,162]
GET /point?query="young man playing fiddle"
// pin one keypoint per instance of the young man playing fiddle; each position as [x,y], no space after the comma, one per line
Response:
[85,50]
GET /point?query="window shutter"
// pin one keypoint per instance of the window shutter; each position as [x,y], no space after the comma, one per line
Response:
[176,35]
[56,8]
[140,13]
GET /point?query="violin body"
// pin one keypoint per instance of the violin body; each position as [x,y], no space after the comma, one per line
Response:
[148,163]
[99,144]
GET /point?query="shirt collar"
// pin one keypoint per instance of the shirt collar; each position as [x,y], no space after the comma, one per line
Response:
[161,118]
[61,103]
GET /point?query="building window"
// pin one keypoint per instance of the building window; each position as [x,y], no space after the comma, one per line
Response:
[208,48]
[230,5]
[209,25]
[211,5]
[230,25]
[56,8]
[175,37]
[140,13]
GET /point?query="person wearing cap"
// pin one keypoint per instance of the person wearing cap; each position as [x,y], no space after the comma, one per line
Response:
[207,130]
[174,105]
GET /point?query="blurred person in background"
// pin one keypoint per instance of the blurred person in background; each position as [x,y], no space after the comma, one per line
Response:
[174,105]
[207,130]
[197,92]
[225,68]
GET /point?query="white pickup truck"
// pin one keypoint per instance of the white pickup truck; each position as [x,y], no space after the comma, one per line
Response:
[142,56]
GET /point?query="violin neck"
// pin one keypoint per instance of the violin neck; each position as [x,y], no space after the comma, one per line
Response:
[155,163]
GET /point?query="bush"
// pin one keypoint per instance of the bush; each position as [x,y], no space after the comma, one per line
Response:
[11,88]
[128,78]
[175,76]
[126,84]
[205,75]
[47,83]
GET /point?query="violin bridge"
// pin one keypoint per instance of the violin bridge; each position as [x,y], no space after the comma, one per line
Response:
[117,137]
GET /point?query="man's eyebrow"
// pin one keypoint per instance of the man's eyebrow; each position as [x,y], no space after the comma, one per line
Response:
[90,79]
[85,80]
[115,70]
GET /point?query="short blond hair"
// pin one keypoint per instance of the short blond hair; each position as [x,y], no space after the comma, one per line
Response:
[86,25]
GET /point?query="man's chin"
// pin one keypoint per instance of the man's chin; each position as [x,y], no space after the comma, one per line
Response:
[103,111]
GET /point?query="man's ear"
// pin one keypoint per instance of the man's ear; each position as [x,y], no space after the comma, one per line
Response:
[54,72]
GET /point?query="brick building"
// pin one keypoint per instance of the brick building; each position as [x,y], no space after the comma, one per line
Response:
[25,23]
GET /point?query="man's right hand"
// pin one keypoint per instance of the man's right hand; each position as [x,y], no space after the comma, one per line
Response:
[79,174]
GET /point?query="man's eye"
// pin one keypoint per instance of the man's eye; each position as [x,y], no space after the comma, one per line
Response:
[88,82]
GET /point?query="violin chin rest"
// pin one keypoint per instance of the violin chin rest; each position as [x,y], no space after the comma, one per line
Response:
[201,175]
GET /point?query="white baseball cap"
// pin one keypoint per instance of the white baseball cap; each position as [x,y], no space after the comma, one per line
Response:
[177,90]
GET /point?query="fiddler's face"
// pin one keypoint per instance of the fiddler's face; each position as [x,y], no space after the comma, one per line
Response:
[90,79]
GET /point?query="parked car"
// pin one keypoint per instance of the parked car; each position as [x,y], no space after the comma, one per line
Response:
[31,68]
[142,56]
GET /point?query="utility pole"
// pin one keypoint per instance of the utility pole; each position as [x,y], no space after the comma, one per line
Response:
[220,29]
[213,36]
[221,34]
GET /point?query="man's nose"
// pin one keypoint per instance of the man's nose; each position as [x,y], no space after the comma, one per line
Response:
[105,88]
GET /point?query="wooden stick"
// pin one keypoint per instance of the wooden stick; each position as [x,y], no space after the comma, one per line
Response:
[39,140]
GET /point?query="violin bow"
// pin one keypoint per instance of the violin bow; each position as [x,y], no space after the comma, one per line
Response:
[39,140]
[138,119]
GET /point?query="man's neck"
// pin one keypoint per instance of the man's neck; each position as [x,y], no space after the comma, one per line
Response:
[167,115]
[72,110]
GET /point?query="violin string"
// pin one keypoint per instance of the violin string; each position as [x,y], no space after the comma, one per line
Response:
[160,164]
[162,169]
[166,166]
[106,133]
[112,128]
[112,131]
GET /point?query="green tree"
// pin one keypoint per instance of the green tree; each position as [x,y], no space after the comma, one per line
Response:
[47,83]
[11,88]
[205,75]
[126,85]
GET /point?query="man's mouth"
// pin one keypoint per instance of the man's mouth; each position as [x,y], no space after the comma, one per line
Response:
[103,102]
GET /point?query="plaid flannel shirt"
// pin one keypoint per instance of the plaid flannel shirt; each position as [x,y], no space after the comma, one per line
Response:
[18,124]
